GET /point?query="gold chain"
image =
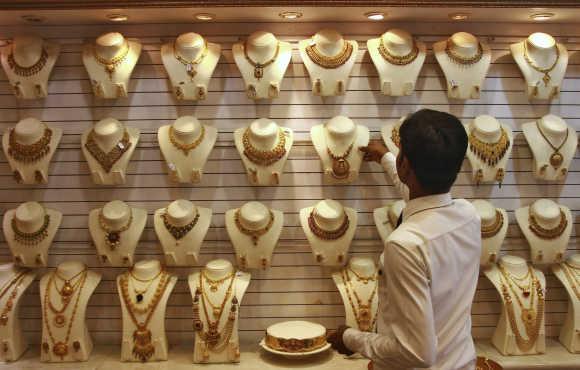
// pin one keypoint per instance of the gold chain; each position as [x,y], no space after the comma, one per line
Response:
[257,233]
[489,153]
[190,64]
[362,311]
[259,67]
[364,279]
[264,157]
[27,71]
[542,232]
[459,59]
[29,153]
[331,62]
[546,71]
[398,60]
[571,273]
[113,237]
[107,160]
[214,284]
[489,231]
[30,238]
[13,283]
[186,148]
[328,234]
[112,64]
[556,158]
[524,283]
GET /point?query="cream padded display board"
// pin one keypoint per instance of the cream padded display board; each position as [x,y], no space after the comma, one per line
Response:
[294,287]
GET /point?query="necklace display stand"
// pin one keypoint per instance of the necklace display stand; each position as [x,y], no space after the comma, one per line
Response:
[262,60]
[190,61]
[181,228]
[109,63]
[29,147]
[28,64]
[543,64]
[65,295]
[329,228]
[216,327]
[14,282]
[547,227]
[398,58]
[568,273]
[465,61]
[254,230]
[186,145]
[115,230]
[29,231]
[264,148]
[494,228]
[386,218]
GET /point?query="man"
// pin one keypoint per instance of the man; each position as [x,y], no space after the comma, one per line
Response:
[431,261]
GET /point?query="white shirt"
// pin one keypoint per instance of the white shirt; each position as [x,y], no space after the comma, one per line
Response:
[431,266]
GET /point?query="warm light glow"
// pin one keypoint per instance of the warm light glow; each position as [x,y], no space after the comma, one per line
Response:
[117,17]
[375,16]
[459,16]
[290,15]
[204,17]
[542,16]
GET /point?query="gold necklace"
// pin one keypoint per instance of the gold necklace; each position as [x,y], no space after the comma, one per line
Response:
[186,148]
[546,71]
[178,232]
[328,234]
[214,284]
[362,311]
[571,273]
[190,63]
[489,153]
[113,237]
[107,160]
[395,137]
[331,62]
[259,67]
[217,309]
[264,157]
[112,64]
[460,59]
[364,279]
[257,233]
[398,60]
[30,238]
[66,293]
[139,293]
[524,283]
[27,71]
[556,158]
[544,233]
[12,283]
[29,153]
[340,165]
[489,231]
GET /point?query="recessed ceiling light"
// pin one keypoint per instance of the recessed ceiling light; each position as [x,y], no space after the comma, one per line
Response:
[31,18]
[542,16]
[459,16]
[290,15]
[117,17]
[204,16]
[375,16]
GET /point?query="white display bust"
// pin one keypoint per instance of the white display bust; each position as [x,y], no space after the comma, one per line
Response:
[184,217]
[74,333]
[398,59]
[28,132]
[328,216]
[190,61]
[139,277]
[362,318]
[541,51]
[30,218]
[386,218]
[109,63]
[550,216]
[12,339]
[494,225]
[28,63]
[390,134]
[464,79]
[503,337]
[329,80]
[125,224]
[488,130]
[265,137]
[194,142]
[109,136]
[226,350]
[254,219]
[262,60]
[569,275]
[340,136]
[550,164]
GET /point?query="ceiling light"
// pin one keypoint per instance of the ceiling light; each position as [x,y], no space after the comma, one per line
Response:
[116,17]
[31,18]
[290,15]
[459,16]
[375,16]
[542,16]
[204,16]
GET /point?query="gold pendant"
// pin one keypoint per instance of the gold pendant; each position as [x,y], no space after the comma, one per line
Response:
[528,317]
[212,336]
[556,159]
[364,318]
[216,312]
[60,349]
[546,79]
[340,168]
[59,321]
[110,69]
[258,71]
[191,72]
[67,290]
[213,287]
[143,349]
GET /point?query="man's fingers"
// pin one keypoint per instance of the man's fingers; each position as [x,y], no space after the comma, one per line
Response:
[364,149]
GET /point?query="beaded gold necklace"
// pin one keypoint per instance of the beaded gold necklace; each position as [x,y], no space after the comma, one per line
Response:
[571,273]
[112,64]
[330,62]
[30,238]
[395,137]
[113,237]
[398,60]
[544,233]
[264,157]
[328,234]
[179,232]
[259,67]
[29,153]
[489,231]
[107,160]
[459,59]
[11,285]
[489,153]
[190,64]
[186,148]
[27,71]
[362,311]
[255,234]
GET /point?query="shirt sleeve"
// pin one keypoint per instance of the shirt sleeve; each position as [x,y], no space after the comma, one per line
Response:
[389,163]
[411,340]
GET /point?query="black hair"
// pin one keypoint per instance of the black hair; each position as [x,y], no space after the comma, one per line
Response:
[434,143]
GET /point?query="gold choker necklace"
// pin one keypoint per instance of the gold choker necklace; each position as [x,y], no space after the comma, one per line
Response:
[489,153]
[186,148]
[331,62]
[190,64]
[259,67]
[254,234]
[398,60]
[107,160]
[556,158]
[112,64]
[489,231]
[544,233]
[113,237]
[27,71]
[459,59]
[30,238]
[178,232]
[546,71]
[29,153]
[328,234]
[264,157]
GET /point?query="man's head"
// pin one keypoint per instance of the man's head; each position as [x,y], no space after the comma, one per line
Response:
[433,146]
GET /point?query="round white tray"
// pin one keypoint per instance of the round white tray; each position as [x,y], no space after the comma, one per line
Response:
[293,354]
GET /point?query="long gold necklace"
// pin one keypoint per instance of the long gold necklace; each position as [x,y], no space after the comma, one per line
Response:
[328,234]
[179,232]
[330,62]
[66,292]
[524,283]
[112,64]
[29,153]
[107,160]
[216,309]
[264,157]
[489,231]
[190,63]
[546,71]
[255,234]
[571,273]
[259,67]
[556,158]
[12,283]
[112,236]
[398,60]
[143,347]
[139,293]
[340,164]
[30,238]
[362,311]
[489,153]
[186,148]
[28,71]
[460,59]
[544,233]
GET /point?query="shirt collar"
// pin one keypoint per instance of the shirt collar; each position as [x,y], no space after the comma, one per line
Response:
[427,202]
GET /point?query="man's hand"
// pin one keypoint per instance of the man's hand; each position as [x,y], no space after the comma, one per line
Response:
[374,152]
[335,339]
